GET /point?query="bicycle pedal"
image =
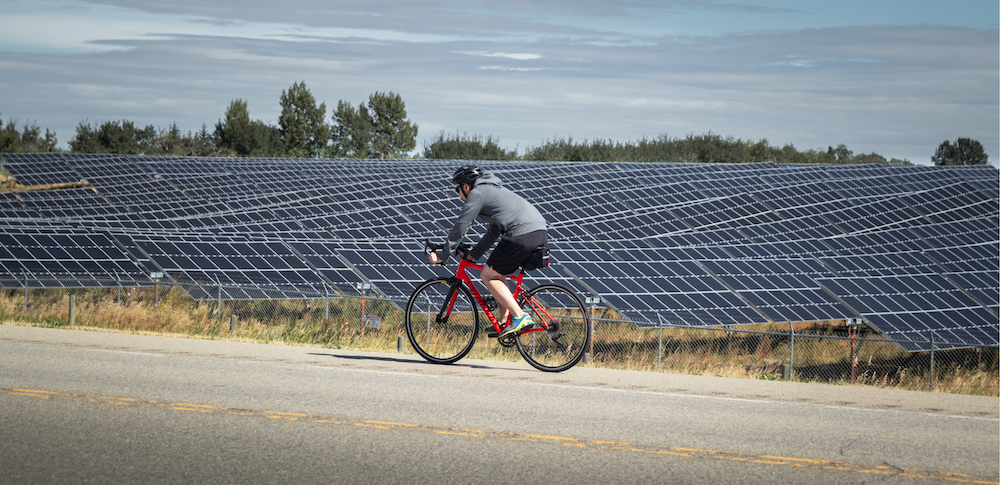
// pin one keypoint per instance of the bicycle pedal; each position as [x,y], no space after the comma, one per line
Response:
[490,331]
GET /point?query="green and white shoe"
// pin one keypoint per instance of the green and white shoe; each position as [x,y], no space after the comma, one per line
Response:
[518,325]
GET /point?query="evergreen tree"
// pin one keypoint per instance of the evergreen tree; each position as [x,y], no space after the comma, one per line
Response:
[965,151]
[170,141]
[245,137]
[352,131]
[392,133]
[28,140]
[379,129]
[236,133]
[303,131]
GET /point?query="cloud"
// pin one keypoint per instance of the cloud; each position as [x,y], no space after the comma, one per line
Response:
[519,57]
[519,75]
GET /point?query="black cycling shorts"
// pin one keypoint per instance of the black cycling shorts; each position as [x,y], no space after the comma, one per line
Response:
[509,253]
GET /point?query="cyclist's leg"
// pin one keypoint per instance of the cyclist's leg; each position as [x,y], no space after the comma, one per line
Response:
[504,260]
[496,283]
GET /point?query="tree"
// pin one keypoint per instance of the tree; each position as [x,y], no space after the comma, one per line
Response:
[379,129]
[392,134]
[841,154]
[244,137]
[115,137]
[965,151]
[10,139]
[303,131]
[170,141]
[760,151]
[28,140]
[465,147]
[235,133]
[352,131]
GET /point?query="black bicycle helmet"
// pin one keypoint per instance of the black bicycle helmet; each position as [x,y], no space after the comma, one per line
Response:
[466,175]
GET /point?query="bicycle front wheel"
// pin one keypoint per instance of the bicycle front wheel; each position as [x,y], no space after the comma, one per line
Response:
[442,320]
[567,334]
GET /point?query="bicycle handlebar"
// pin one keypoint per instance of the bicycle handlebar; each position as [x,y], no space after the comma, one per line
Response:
[460,251]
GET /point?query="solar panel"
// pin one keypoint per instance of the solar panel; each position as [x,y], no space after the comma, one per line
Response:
[239,269]
[39,169]
[661,243]
[917,311]
[63,257]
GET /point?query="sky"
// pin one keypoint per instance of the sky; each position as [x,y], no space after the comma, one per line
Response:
[894,77]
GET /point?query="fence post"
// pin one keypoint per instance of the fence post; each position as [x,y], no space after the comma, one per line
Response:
[852,330]
[363,288]
[25,292]
[219,282]
[931,389]
[72,310]
[791,355]
[592,301]
[659,349]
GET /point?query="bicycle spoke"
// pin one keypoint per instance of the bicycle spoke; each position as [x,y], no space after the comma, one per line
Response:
[441,321]
[563,331]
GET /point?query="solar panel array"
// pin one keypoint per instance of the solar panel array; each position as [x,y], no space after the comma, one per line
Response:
[912,250]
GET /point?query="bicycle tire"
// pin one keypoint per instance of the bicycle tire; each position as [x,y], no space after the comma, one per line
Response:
[569,323]
[441,342]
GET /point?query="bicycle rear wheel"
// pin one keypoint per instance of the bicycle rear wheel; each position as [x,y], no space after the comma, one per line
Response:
[441,320]
[568,335]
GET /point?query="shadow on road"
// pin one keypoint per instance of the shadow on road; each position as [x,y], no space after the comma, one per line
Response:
[394,359]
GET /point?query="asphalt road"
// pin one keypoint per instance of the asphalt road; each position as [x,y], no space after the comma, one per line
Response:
[100,407]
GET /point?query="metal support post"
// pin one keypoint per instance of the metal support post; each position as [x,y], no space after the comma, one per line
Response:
[72,310]
[791,353]
[220,298]
[592,301]
[363,287]
[659,354]
[852,332]
[659,350]
[931,385]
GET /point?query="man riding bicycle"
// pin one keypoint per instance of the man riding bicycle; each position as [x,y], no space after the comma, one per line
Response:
[518,224]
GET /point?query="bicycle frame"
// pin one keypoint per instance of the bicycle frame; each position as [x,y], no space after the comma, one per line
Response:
[462,277]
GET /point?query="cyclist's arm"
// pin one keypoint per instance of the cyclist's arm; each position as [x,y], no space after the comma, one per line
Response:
[470,210]
[492,233]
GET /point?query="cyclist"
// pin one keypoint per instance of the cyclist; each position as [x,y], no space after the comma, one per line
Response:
[518,224]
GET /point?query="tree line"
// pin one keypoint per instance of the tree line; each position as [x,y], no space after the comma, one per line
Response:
[705,148]
[379,128]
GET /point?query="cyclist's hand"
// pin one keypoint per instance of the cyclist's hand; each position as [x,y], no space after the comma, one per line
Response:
[434,258]
[466,255]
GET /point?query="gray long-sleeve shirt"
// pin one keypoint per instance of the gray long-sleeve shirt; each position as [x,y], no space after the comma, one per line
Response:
[505,213]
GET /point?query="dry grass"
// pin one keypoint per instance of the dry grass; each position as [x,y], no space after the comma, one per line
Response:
[337,323]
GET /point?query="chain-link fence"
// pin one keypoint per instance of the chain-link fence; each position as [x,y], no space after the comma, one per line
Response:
[819,354]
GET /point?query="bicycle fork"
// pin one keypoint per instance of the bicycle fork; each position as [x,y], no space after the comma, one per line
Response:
[449,303]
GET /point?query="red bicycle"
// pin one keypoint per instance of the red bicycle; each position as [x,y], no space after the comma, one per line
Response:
[443,321]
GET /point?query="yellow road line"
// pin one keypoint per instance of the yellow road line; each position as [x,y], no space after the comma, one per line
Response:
[405,425]
[673,451]
[548,437]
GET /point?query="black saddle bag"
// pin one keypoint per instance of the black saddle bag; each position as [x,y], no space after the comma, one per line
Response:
[538,259]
